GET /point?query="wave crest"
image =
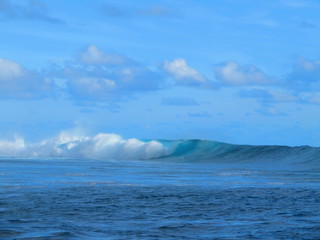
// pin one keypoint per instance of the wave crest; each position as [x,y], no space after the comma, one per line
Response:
[100,146]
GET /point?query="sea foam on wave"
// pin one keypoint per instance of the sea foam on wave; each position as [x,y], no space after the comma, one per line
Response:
[100,146]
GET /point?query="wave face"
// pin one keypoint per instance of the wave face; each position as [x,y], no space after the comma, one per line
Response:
[113,146]
[212,151]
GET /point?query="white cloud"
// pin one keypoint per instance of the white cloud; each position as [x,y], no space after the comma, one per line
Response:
[16,82]
[93,55]
[231,73]
[10,70]
[90,86]
[98,76]
[105,83]
[184,74]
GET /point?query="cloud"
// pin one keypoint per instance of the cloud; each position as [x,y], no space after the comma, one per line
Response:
[305,76]
[98,76]
[183,74]
[93,55]
[88,87]
[300,85]
[179,101]
[110,84]
[16,82]
[234,74]
[269,95]
[30,10]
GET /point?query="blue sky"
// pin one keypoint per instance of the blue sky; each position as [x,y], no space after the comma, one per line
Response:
[243,72]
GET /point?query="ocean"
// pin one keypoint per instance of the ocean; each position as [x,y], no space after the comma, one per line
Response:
[109,188]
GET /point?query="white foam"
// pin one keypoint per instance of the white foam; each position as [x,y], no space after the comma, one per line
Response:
[72,145]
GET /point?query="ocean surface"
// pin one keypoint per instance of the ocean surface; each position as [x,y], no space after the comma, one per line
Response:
[142,189]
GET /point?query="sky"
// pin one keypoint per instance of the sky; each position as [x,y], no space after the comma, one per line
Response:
[243,72]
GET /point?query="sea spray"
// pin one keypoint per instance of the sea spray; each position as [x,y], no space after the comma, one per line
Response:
[100,146]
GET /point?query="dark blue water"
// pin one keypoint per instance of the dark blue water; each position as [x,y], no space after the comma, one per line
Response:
[96,199]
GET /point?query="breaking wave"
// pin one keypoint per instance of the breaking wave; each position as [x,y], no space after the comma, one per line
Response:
[100,146]
[113,146]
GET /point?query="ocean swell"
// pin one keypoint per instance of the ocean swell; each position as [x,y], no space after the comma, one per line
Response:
[113,146]
[218,152]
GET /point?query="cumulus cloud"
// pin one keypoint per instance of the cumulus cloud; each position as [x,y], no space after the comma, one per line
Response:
[16,82]
[234,74]
[183,74]
[91,86]
[29,10]
[300,85]
[98,85]
[93,55]
[98,76]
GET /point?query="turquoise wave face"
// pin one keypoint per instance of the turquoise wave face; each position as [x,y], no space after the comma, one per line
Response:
[218,152]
